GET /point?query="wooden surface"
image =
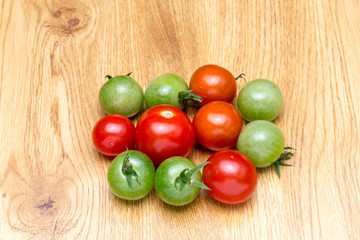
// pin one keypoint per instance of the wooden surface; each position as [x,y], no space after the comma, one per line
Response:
[53,59]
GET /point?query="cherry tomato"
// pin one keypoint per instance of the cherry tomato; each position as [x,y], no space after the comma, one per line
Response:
[231,176]
[164,131]
[261,141]
[217,125]
[131,175]
[121,95]
[167,186]
[112,134]
[260,99]
[213,83]
[165,89]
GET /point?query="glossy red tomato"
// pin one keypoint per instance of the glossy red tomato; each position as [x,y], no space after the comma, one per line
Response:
[217,125]
[231,176]
[112,134]
[213,83]
[164,131]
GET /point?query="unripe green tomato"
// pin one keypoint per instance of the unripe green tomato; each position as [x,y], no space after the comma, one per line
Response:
[262,142]
[260,99]
[165,90]
[140,186]
[121,95]
[165,177]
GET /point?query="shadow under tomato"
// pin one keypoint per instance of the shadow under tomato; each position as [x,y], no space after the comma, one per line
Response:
[215,204]
[175,209]
[129,203]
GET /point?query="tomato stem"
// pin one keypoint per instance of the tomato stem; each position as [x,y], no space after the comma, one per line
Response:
[185,178]
[242,75]
[128,171]
[185,96]
[129,74]
[283,157]
[108,77]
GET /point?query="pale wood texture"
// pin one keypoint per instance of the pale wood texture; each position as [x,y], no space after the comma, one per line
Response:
[53,59]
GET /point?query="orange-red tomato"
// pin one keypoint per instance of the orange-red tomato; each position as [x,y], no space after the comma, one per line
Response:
[217,125]
[213,83]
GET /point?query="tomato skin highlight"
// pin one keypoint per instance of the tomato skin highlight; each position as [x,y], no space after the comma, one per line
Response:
[164,131]
[217,125]
[231,176]
[113,134]
[213,83]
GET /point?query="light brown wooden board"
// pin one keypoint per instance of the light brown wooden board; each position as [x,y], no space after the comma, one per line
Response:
[53,59]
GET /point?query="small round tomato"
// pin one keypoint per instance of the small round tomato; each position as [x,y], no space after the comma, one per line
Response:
[260,99]
[164,131]
[131,175]
[174,181]
[165,89]
[121,95]
[113,134]
[213,83]
[261,141]
[231,176]
[217,125]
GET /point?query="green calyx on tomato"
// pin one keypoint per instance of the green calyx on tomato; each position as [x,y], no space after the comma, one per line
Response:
[283,157]
[128,171]
[186,96]
[242,75]
[185,178]
[110,77]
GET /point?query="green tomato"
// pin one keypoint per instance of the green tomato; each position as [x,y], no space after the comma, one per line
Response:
[166,185]
[165,89]
[262,142]
[260,100]
[131,175]
[121,95]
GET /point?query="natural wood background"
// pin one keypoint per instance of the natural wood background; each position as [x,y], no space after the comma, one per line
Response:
[53,59]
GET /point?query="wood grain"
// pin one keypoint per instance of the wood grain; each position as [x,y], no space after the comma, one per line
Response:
[53,59]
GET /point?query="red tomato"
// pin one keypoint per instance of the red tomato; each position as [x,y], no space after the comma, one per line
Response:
[231,176]
[164,131]
[112,134]
[213,83]
[217,125]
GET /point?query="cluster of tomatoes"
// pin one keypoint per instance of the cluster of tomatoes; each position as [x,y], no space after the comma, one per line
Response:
[164,135]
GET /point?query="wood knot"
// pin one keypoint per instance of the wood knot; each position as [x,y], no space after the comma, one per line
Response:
[69,20]
[47,205]
[73,22]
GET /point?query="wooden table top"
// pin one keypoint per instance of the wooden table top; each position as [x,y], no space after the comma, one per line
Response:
[53,59]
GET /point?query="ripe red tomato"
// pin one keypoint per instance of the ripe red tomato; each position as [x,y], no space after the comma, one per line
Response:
[213,83]
[112,134]
[217,125]
[164,131]
[231,176]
